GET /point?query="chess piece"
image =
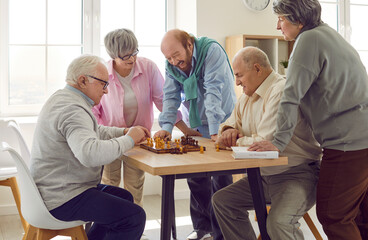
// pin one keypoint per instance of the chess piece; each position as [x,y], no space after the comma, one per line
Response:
[217,147]
[201,149]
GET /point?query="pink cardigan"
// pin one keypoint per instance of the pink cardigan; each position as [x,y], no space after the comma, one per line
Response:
[147,84]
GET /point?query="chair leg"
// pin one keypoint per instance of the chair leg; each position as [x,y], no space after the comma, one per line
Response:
[312,227]
[33,233]
[79,234]
[30,233]
[12,183]
[46,234]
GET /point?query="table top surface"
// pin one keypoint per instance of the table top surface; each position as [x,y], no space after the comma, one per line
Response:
[193,162]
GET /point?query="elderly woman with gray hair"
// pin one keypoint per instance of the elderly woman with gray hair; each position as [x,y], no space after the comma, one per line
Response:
[329,83]
[135,84]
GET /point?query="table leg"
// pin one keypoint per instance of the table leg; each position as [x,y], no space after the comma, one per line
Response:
[173,228]
[167,206]
[256,187]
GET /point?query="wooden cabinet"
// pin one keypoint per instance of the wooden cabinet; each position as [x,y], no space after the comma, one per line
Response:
[276,48]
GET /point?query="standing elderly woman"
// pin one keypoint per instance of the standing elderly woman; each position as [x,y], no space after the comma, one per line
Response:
[329,83]
[135,84]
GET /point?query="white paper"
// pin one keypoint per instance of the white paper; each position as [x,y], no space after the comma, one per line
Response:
[242,153]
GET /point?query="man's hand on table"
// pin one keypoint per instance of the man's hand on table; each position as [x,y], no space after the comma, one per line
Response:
[229,137]
[264,145]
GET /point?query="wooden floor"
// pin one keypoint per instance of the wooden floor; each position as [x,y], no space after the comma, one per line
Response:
[11,227]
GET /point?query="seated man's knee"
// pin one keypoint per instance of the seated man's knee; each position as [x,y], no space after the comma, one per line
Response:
[218,200]
[135,221]
[140,217]
[279,222]
[130,197]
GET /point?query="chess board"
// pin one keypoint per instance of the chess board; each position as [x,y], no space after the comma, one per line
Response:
[187,144]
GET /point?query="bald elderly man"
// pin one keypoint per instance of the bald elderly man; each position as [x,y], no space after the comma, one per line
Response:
[198,71]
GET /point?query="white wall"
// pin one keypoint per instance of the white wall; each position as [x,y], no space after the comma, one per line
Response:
[185,15]
[218,18]
[212,18]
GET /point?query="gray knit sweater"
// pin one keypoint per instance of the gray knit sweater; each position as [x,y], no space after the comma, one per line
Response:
[69,147]
[328,82]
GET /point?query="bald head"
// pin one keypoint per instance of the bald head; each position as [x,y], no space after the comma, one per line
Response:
[251,56]
[177,47]
[176,36]
[251,67]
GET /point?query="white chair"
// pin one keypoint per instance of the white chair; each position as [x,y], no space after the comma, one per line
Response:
[22,146]
[42,225]
[10,132]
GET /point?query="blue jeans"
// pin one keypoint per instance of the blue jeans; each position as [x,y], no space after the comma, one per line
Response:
[201,212]
[112,210]
[201,190]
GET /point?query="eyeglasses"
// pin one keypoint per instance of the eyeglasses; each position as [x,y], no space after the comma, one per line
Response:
[106,82]
[126,57]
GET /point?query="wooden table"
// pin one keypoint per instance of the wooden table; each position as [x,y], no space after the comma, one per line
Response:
[194,164]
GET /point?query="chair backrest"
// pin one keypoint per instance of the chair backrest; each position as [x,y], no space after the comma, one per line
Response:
[32,205]
[11,134]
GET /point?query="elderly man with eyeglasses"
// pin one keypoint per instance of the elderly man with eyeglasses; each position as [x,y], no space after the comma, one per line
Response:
[70,148]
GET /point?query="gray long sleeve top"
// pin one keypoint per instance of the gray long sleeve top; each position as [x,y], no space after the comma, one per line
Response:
[327,79]
[69,147]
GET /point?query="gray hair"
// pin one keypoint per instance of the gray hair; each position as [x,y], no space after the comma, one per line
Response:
[252,55]
[120,42]
[306,12]
[83,65]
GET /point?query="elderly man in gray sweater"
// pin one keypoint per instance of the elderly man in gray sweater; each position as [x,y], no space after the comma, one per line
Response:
[70,148]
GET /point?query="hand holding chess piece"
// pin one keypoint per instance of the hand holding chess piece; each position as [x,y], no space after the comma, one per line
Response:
[138,134]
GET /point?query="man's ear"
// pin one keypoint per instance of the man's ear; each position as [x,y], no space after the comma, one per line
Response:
[82,81]
[257,67]
[300,26]
[190,45]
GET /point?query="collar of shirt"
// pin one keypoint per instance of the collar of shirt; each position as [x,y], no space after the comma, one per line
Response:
[264,87]
[71,88]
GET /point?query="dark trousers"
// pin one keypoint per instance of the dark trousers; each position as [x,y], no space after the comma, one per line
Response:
[342,201]
[112,210]
[201,212]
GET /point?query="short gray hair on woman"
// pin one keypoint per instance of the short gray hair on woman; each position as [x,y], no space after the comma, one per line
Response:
[252,55]
[120,42]
[306,12]
[83,65]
